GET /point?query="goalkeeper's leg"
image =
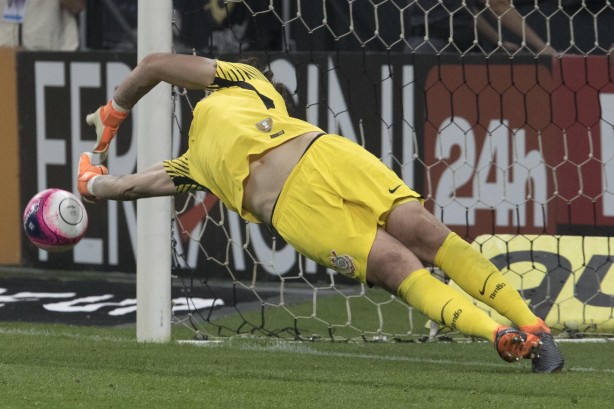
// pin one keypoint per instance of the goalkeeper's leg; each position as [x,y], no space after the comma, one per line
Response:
[434,243]
[482,280]
[388,266]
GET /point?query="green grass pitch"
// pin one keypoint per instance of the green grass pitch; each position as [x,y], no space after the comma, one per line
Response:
[58,366]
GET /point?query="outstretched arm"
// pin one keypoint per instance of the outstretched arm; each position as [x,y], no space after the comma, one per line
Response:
[95,183]
[186,71]
[490,34]
[151,182]
[514,22]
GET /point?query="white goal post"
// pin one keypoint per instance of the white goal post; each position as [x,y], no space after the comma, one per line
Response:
[153,259]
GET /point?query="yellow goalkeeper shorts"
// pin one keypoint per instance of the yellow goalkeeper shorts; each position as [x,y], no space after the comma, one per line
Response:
[334,201]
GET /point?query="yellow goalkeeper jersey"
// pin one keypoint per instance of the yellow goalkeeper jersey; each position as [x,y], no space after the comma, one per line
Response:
[243,116]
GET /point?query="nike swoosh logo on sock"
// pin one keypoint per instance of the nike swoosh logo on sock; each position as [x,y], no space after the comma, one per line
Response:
[483,290]
[443,320]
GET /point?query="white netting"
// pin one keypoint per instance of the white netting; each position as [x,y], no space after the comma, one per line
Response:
[251,297]
[509,138]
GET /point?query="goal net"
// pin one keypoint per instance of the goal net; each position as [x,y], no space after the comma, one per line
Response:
[502,118]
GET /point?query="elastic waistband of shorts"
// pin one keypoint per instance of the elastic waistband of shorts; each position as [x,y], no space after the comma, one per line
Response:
[313,140]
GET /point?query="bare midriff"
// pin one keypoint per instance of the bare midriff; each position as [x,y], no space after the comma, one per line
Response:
[268,173]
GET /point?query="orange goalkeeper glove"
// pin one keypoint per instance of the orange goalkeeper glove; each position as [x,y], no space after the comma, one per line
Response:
[106,119]
[87,174]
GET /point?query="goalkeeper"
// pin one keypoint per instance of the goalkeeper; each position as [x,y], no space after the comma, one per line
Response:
[328,197]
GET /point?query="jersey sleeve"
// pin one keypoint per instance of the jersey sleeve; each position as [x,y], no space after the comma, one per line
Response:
[228,74]
[178,170]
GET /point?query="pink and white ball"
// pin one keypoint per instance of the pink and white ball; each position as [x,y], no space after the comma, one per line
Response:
[55,220]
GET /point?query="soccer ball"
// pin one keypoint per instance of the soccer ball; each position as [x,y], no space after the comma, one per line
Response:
[55,220]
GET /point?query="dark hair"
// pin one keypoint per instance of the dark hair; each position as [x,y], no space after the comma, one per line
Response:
[281,88]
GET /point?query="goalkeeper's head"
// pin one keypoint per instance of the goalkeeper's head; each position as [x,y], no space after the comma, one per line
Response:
[281,88]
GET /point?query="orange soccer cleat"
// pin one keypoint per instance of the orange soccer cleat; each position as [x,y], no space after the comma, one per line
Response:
[549,358]
[513,345]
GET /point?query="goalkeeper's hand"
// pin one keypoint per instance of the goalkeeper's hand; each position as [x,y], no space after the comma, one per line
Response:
[106,119]
[87,174]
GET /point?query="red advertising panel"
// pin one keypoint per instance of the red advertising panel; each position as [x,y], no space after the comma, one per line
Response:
[484,129]
[520,148]
[583,108]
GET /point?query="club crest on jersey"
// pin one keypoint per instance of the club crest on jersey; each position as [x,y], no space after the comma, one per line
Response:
[343,264]
[265,125]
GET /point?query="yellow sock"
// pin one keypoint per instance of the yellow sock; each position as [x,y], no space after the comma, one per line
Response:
[482,280]
[445,305]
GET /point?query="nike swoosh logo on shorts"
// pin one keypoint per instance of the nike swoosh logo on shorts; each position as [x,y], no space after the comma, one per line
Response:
[394,190]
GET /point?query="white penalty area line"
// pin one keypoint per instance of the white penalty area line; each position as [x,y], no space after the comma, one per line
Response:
[296,347]
[299,348]
[39,333]
[583,340]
